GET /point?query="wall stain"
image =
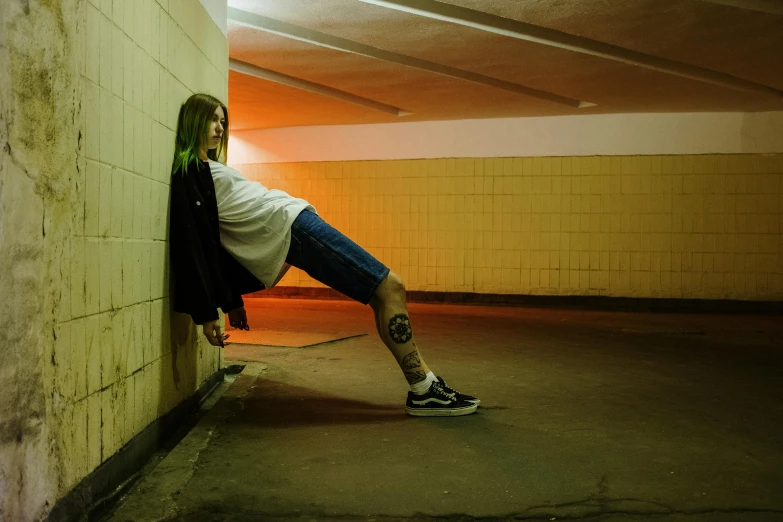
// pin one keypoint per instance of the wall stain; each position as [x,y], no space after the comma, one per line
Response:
[39,133]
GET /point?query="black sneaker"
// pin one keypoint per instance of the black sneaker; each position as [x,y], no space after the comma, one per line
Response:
[460,396]
[437,402]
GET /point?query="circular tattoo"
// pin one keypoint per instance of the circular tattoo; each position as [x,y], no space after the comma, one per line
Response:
[400,329]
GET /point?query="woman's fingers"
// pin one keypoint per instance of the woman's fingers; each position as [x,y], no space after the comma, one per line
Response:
[238,319]
[243,319]
[211,338]
[213,334]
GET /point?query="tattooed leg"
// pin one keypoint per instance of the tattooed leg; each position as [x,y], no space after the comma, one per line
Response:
[411,367]
[394,328]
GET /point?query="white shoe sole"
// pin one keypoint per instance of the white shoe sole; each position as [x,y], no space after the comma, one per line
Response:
[445,412]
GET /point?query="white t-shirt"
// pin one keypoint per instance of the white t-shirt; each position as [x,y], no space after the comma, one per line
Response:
[255,222]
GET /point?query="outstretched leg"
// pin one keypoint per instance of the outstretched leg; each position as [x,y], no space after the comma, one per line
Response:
[330,257]
[394,327]
[429,394]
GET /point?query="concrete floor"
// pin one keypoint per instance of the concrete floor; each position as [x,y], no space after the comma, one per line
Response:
[585,415]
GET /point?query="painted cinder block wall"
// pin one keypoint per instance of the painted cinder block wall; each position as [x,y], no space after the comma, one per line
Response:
[91,354]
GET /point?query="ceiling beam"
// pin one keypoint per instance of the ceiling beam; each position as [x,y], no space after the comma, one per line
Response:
[305,85]
[765,6]
[302,34]
[553,38]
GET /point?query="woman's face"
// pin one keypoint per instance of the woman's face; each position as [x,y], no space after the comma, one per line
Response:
[215,133]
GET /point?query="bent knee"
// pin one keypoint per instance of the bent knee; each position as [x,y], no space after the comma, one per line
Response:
[392,287]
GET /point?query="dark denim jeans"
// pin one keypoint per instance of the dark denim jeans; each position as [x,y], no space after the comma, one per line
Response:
[333,259]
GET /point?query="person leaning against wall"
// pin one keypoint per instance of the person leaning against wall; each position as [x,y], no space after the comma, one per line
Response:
[231,236]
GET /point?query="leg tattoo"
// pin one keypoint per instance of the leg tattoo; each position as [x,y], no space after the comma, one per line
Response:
[411,361]
[400,329]
[414,377]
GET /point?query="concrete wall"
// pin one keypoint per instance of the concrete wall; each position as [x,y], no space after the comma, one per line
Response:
[673,226]
[88,103]
[218,11]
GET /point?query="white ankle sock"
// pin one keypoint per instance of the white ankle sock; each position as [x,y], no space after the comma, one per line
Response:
[420,388]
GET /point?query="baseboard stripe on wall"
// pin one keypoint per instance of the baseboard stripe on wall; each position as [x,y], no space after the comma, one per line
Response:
[113,474]
[646,304]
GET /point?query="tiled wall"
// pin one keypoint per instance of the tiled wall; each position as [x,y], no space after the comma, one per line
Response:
[698,226]
[114,369]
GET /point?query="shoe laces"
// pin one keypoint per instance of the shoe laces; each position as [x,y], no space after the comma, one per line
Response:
[439,389]
[448,389]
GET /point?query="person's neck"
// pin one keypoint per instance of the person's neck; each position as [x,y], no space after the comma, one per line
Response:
[202,155]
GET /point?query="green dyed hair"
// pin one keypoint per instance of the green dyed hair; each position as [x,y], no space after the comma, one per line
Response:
[195,115]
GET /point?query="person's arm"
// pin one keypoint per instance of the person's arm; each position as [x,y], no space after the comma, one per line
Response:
[192,283]
[237,316]
[241,281]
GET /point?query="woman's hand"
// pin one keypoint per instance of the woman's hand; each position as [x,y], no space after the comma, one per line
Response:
[237,318]
[213,334]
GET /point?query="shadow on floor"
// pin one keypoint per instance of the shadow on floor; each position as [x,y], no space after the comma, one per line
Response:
[274,404]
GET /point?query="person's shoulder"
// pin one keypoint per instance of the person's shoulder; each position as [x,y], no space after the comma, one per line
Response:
[216,165]
[194,166]
[219,168]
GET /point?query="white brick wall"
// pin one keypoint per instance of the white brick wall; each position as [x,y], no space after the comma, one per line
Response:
[113,365]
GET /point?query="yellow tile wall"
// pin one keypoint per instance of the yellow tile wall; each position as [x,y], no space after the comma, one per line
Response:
[115,366]
[699,226]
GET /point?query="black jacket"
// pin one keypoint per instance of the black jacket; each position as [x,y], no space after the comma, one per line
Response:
[204,276]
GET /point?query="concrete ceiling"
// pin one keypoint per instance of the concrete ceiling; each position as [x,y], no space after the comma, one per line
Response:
[327,62]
